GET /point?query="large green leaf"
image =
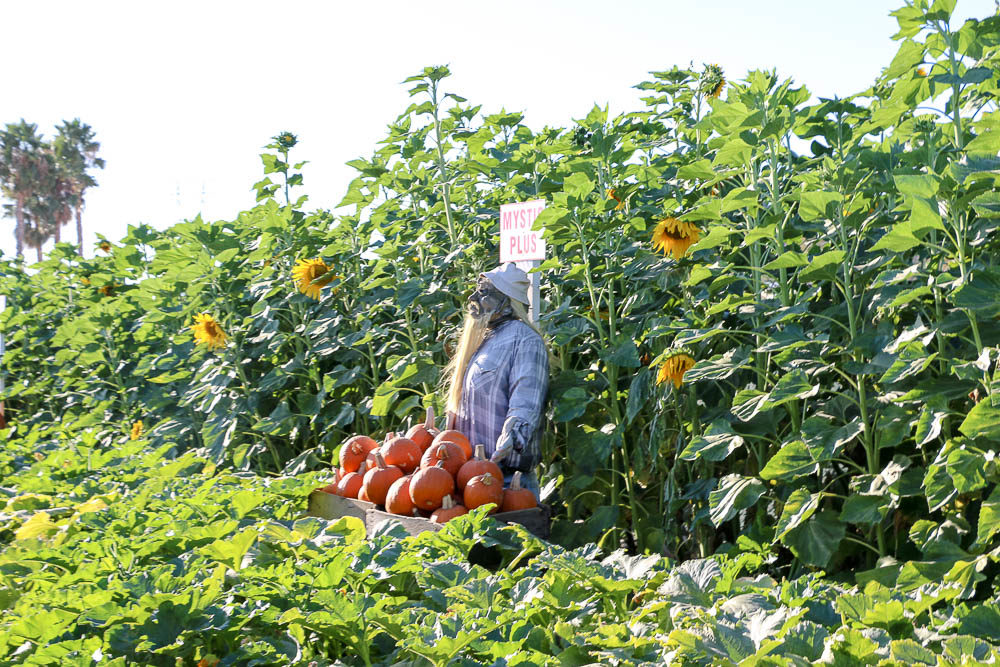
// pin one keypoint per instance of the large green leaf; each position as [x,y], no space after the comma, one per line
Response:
[819,204]
[801,505]
[792,461]
[715,444]
[733,494]
[578,185]
[815,541]
[825,266]
[989,518]
[983,420]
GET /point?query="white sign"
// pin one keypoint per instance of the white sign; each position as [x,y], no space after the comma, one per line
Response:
[518,242]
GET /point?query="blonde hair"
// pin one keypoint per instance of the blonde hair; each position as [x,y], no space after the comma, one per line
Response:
[473,334]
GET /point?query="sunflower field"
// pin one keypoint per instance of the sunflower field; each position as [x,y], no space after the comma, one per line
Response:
[774,409]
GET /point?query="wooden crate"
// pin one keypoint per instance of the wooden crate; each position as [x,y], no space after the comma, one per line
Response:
[536,521]
[413,525]
[328,506]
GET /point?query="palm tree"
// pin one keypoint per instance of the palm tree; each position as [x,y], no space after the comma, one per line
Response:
[76,154]
[22,166]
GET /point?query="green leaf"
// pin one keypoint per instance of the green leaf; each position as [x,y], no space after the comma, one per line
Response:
[967,574]
[864,509]
[910,652]
[733,153]
[707,209]
[900,238]
[818,204]
[912,360]
[979,295]
[790,259]
[791,386]
[231,550]
[815,541]
[823,267]
[578,185]
[551,218]
[910,20]
[966,469]
[701,170]
[938,487]
[638,393]
[987,205]
[747,403]
[987,142]
[801,505]
[718,442]
[989,518]
[922,185]
[625,355]
[716,236]
[909,55]
[793,460]
[983,622]
[740,199]
[983,420]
[572,404]
[733,494]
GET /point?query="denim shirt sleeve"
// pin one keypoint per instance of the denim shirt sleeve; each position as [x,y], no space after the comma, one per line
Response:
[529,383]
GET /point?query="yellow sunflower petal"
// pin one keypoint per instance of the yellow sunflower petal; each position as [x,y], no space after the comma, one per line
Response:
[674,367]
[208,331]
[309,275]
[673,237]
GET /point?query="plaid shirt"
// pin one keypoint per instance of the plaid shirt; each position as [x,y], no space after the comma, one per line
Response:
[504,393]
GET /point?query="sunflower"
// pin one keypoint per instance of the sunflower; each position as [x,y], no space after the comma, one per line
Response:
[207,331]
[612,195]
[108,290]
[674,237]
[674,367]
[105,246]
[307,272]
[85,280]
[712,81]
[136,430]
[285,140]
[921,71]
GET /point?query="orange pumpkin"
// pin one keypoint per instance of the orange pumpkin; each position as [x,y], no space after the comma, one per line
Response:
[402,453]
[448,510]
[423,434]
[483,489]
[517,497]
[379,479]
[452,435]
[397,500]
[370,459]
[476,466]
[429,486]
[363,494]
[350,485]
[331,488]
[354,451]
[448,453]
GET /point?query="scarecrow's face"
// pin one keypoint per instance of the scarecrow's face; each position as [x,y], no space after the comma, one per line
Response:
[487,300]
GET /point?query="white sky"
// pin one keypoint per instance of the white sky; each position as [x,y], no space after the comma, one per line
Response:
[184,95]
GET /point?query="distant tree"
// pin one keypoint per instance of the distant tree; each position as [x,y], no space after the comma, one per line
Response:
[23,166]
[76,154]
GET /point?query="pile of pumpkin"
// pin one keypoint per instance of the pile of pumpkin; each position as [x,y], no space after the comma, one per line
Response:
[427,472]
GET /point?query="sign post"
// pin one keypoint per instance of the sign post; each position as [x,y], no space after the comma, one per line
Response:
[520,244]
